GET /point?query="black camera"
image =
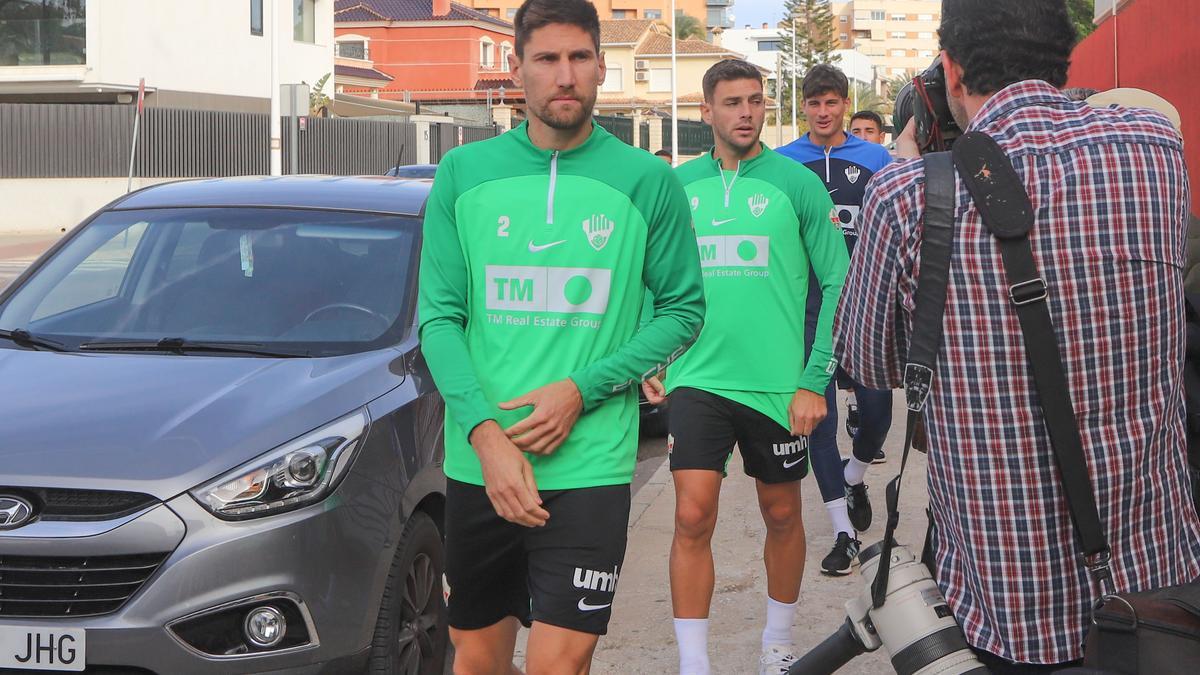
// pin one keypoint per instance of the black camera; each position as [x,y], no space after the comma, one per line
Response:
[924,100]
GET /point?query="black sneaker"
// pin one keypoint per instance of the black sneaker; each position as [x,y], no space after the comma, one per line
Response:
[880,458]
[845,550]
[858,506]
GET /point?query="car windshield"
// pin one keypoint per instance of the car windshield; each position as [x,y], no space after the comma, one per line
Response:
[296,282]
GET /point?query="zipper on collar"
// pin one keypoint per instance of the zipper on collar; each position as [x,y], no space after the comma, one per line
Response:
[729,185]
[827,176]
[553,185]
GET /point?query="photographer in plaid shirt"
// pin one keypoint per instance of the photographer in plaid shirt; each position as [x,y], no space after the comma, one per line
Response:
[1110,197]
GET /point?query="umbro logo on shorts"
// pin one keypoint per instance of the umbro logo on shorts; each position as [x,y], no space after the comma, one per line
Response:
[792,448]
[594,580]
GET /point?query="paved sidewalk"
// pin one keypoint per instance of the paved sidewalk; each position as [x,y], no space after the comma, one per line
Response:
[17,251]
[641,637]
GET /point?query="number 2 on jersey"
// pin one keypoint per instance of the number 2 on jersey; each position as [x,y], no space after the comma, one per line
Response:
[502,231]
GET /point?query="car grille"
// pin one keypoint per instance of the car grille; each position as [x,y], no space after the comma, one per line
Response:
[82,505]
[42,586]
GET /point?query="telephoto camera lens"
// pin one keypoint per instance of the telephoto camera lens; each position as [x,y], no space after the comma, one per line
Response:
[914,625]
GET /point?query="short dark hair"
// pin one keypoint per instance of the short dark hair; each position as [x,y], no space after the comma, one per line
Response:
[869,115]
[824,78]
[535,14]
[729,69]
[662,152]
[1001,42]
[1079,93]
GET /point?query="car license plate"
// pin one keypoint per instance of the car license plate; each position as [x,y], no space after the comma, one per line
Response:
[60,649]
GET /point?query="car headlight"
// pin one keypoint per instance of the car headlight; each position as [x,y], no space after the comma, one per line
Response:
[296,474]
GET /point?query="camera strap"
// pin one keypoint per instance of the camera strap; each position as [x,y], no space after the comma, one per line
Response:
[1000,196]
[926,339]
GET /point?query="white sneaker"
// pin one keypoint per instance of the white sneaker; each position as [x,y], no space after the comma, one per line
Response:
[776,660]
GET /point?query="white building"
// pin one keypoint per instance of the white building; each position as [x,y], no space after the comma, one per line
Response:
[210,54]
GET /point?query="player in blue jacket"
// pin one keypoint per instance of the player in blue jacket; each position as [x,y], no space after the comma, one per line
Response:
[845,163]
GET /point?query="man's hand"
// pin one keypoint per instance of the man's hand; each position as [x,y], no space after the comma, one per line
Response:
[805,412]
[906,142]
[507,477]
[556,406]
[654,390]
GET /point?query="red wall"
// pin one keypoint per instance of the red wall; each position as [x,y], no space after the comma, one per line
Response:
[423,58]
[1158,49]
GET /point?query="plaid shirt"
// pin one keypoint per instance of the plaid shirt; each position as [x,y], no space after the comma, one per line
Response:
[1110,194]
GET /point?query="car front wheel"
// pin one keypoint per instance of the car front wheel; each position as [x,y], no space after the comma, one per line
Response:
[411,632]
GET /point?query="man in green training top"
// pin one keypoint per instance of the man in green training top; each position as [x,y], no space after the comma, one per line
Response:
[539,247]
[762,222]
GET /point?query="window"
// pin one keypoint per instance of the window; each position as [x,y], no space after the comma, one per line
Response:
[926,54]
[506,48]
[768,45]
[843,37]
[352,49]
[256,21]
[877,15]
[98,277]
[511,13]
[660,79]
[924,17]
[43,33]
[899,52]
[487,56]
[843,19]
[899,17]
[304,21]
[620,14]
[925,35]
[653,14]
[899,34]
[614,80]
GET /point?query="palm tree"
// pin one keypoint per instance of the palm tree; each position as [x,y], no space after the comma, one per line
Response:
[688,26]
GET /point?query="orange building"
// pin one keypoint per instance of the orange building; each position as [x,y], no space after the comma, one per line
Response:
[434,50]
[711,13]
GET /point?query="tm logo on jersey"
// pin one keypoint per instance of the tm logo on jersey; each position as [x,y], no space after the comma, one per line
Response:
[598,229]
[565,290]
[734,251]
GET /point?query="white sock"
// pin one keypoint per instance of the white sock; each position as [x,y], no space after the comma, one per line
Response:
[779,623]
[856,470]
[840,517]
[692,636]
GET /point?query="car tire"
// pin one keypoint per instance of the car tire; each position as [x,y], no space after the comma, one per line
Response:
[411,633]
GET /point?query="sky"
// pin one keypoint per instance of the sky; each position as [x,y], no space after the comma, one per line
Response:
[755,12]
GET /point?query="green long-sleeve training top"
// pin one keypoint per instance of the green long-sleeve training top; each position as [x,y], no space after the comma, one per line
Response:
[533,269]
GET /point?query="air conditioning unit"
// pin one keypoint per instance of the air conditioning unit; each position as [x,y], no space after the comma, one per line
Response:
[642,76]
[641,65]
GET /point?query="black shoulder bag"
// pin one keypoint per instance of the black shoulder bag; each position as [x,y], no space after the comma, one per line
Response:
[1134,633]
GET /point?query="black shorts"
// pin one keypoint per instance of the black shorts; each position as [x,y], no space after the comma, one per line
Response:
[704,428]
[563,573]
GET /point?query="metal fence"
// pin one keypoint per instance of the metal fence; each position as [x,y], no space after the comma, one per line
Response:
[621,127]
[644,135]
[348,147]
[694,137]
[40,140]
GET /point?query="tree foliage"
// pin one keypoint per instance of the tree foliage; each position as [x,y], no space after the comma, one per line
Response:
[808,23]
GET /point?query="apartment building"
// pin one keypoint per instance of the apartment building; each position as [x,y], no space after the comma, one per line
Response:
[899,36]
[713,13]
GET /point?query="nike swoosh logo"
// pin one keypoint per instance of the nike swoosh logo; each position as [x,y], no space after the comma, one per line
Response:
[534,248]
[585,607]
[718,223]
[788,465]
[834,190]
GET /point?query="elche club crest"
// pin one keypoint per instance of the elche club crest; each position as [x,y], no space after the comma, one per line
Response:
[598,229]
[852,174]
[758,204]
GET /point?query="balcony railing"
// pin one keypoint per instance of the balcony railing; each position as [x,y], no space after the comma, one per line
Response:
[43,42]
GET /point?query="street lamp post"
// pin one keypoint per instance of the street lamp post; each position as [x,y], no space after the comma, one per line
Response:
[276,141]
[795,130]
[674,93]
